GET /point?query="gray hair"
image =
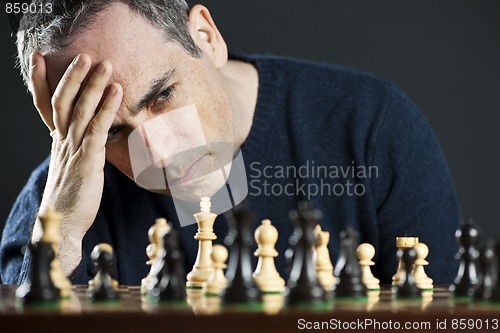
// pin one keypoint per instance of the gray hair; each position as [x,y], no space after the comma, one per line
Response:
[50,32]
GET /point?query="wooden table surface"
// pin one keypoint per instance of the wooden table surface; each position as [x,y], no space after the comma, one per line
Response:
[134,313]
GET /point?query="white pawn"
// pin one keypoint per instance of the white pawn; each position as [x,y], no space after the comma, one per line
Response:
[421,278]
[365,253]
[324,267]
[266,277]
[217,282]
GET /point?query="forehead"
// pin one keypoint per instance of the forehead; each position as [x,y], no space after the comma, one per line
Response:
[136,49]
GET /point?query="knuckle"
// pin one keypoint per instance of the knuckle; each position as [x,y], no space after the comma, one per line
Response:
[66,79]
[108,64]
[78,112]
[95,128]
[105,107]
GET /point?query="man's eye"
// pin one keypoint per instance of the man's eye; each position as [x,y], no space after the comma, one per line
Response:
[113,132]
[165,95]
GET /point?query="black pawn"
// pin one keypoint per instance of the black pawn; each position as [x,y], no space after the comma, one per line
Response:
[407,287]
[171,279]
[40,287]
[488,266]
[241,287]
[467,278]
[303,281]
[102,288]
[347,268]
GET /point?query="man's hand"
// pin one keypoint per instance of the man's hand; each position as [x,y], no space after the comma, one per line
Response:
[79,125]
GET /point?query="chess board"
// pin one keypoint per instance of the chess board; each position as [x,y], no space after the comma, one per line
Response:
[135,313]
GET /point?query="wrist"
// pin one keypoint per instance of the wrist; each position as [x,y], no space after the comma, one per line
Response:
[70,254]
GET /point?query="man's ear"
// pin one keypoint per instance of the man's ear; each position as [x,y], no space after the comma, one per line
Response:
[206,35]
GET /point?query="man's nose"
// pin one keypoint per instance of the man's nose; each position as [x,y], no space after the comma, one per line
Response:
[152,149]
[161,144]
[167,136]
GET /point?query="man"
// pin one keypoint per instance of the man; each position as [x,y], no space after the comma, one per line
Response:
[99,70]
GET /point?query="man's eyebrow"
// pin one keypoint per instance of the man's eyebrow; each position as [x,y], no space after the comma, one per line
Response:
[156,88]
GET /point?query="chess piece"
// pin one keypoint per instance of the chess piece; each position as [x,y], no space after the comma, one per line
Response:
[241,287]
[488,262]
[303,281]
[347,269]
[39,287]
[155,235]
[167,282]
[423,281]
[407,286]
[402,243]
[365,253]
[202,268]
[217,281]
[324,267]
[467,277]
[108,248]
[50,222]
[266,276]
[46,276]
[101,288]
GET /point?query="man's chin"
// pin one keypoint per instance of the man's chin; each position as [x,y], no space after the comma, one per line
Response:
[187,194]
[191,191]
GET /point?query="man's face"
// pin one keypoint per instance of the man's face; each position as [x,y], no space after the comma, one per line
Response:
[157,77]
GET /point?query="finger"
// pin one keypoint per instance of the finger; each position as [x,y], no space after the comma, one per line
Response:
[88,102]
[40,89]
[67,90]
[97,131]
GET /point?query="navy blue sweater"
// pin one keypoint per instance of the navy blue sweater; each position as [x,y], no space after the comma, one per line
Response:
[353,144]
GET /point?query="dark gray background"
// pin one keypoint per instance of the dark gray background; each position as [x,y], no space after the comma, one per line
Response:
[444,53]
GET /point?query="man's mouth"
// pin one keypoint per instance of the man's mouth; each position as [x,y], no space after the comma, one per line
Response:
[189,174]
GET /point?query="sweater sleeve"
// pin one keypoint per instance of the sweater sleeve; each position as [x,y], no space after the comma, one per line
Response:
[15,258]
[414,194]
